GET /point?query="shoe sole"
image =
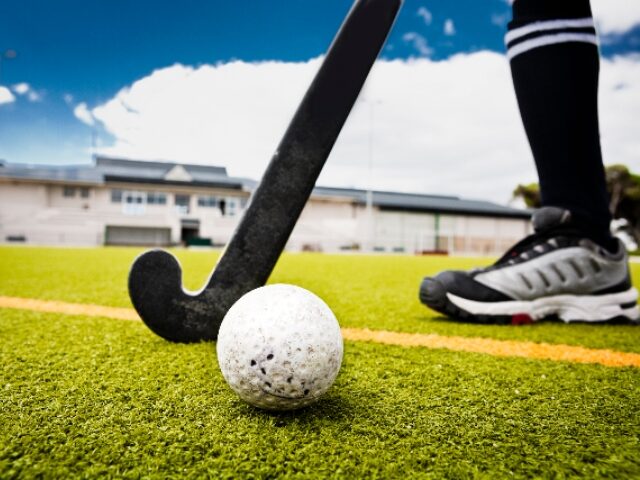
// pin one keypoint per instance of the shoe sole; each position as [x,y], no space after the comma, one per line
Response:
[611,308]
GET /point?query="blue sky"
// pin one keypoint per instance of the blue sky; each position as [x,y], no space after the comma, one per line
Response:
[73,52]
[93,48]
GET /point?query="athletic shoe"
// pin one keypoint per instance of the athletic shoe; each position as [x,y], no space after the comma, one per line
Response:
[555,272]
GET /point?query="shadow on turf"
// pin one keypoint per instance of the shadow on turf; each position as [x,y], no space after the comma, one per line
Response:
[553,319]
[334,407]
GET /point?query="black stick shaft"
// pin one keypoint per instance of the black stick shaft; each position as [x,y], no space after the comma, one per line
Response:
[288,181]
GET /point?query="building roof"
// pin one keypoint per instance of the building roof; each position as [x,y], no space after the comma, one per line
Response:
[423,202]
[52,173]
[157,170]
[135,171]
[106,170]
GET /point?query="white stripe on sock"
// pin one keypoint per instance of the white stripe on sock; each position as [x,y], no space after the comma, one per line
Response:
[550,40]
[548,25]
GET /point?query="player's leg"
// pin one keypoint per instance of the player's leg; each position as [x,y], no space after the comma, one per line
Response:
[571,266]
[553,52]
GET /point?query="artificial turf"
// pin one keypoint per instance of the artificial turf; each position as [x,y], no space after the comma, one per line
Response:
[87,397]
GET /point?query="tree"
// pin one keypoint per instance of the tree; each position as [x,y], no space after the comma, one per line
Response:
[530,194]
[624,195]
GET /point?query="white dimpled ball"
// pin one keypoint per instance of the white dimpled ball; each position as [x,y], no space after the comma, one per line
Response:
[280,347]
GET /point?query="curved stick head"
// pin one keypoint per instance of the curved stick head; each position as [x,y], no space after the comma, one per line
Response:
[155,288]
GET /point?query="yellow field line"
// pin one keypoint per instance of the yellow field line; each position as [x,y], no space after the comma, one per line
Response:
[498,348]
[52,306]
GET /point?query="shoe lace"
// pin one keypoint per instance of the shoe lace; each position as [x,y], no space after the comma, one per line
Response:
[537,244]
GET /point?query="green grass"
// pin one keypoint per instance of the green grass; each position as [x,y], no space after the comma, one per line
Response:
[87,397]
[378,292]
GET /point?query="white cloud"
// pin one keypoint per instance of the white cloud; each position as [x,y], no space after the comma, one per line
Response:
[448,127]
[419,43]
[425,14]
[619,109]
[68,98]
[449,27]
[34,96]
[500,19]
[613,16]
[24,89]
[616,16]
[6,96]
[21,88]
[83,114]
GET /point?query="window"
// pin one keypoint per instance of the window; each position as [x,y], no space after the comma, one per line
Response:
[207,201]
[182,203]
[84,192]
[156,198]
[134,198]
[228,206]
[116,196]
[134,203]
[69,192]
[232,206]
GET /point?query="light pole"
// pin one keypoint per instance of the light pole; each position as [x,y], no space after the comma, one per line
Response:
[8,54]
[369,198]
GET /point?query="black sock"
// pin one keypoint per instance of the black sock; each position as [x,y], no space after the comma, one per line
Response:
[552,47]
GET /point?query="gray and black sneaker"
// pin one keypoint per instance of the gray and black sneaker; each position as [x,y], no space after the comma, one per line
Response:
[555,272]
